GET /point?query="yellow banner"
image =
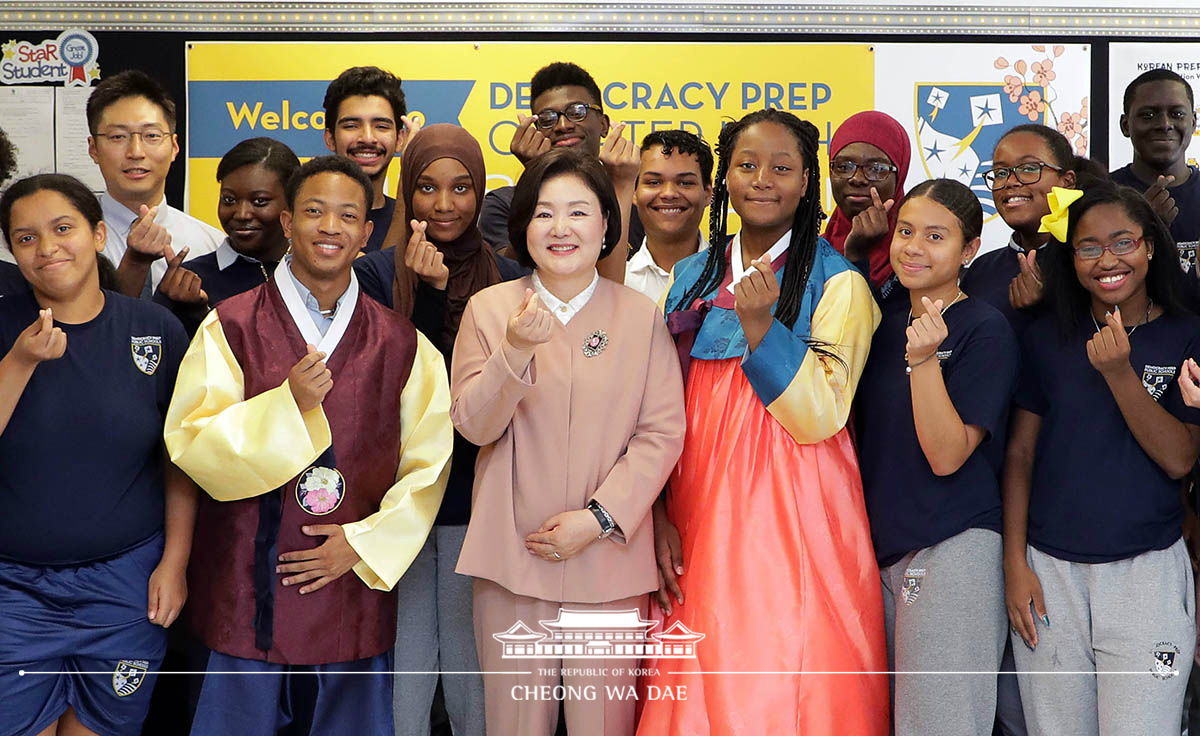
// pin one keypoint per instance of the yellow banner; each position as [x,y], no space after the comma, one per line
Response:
[241,90]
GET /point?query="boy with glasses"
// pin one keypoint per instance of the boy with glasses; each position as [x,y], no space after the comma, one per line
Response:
[566,107]
[132,123]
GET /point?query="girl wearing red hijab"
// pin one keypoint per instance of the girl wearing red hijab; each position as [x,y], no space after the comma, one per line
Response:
[868,162]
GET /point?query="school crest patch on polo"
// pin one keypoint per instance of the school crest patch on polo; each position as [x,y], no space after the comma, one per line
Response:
[147,352]
[128,676]
[1156,378]
[1164,660]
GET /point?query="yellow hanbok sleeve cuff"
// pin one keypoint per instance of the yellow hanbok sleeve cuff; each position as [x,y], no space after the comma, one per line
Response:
[233,447]
[388,540]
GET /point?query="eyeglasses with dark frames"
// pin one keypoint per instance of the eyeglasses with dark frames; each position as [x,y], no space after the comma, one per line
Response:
[873,170]
[576,112]
[1029,173]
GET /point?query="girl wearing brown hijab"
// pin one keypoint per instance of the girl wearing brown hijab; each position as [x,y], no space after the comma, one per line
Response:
[444,262]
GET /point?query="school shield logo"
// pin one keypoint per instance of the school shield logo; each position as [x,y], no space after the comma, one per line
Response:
[959,124]
[1164,660]
[1187,253]
[1156,378]
[147,352]
[913,577]
[128,676]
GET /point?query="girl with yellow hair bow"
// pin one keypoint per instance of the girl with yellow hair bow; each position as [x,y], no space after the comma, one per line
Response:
[1098,442]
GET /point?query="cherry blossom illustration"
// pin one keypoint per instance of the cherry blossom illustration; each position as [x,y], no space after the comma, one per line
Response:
[1032,86]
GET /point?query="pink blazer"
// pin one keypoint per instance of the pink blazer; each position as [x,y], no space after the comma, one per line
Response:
[569,429]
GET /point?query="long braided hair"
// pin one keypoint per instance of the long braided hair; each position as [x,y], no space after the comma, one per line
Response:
[806,224]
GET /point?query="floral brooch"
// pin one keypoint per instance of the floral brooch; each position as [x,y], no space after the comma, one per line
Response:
[595,344]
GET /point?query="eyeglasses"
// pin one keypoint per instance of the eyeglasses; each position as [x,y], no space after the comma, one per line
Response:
[1122,247]
[150,137]
[1030,173]
[576,112]
[874,170]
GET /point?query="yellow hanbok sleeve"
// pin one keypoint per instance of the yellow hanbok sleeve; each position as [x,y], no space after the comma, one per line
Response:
[234,447]
[810,394]
[388,540]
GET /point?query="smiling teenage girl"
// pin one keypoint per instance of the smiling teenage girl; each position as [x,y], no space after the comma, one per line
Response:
[89,569]
[252,176]
[779,574]
[1098,444]
[933,407]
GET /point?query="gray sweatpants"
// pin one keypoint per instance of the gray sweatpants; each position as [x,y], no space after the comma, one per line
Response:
[436,633]
[1128,626]
[944,612]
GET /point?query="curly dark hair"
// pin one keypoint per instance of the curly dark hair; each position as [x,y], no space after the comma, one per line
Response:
[684,142]
[366,81]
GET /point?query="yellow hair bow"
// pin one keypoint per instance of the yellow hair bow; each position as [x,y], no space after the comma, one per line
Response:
[1055,223]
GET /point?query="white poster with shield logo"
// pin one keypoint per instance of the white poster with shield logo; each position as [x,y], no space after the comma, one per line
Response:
[957,100]
[1128,60]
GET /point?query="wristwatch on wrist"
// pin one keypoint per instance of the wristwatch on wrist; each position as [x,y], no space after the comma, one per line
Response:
[607,525]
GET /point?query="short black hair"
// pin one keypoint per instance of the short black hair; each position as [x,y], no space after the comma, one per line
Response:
[8,158]
[551,165]
[1166,283]
[1060,148]
[365,81]
[684,142]
[129,83]
[1155,75]
[563,74]
[268,153]
[329,164]
[75,192]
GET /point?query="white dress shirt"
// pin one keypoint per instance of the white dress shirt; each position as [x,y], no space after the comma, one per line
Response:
[645,276]
[185,230]
[564,311]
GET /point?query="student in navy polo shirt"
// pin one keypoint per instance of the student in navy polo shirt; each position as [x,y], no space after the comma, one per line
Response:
[933,406]
[1096,571]
[90,575]
[1027,162]
[1159,119]
[252,175]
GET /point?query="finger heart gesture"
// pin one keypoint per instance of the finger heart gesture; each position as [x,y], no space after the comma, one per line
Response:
[530,324]
[1108,350]
[424,259]
[41,341]
[926,333]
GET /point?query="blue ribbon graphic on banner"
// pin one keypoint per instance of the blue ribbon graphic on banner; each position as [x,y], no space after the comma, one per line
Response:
[220,114]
